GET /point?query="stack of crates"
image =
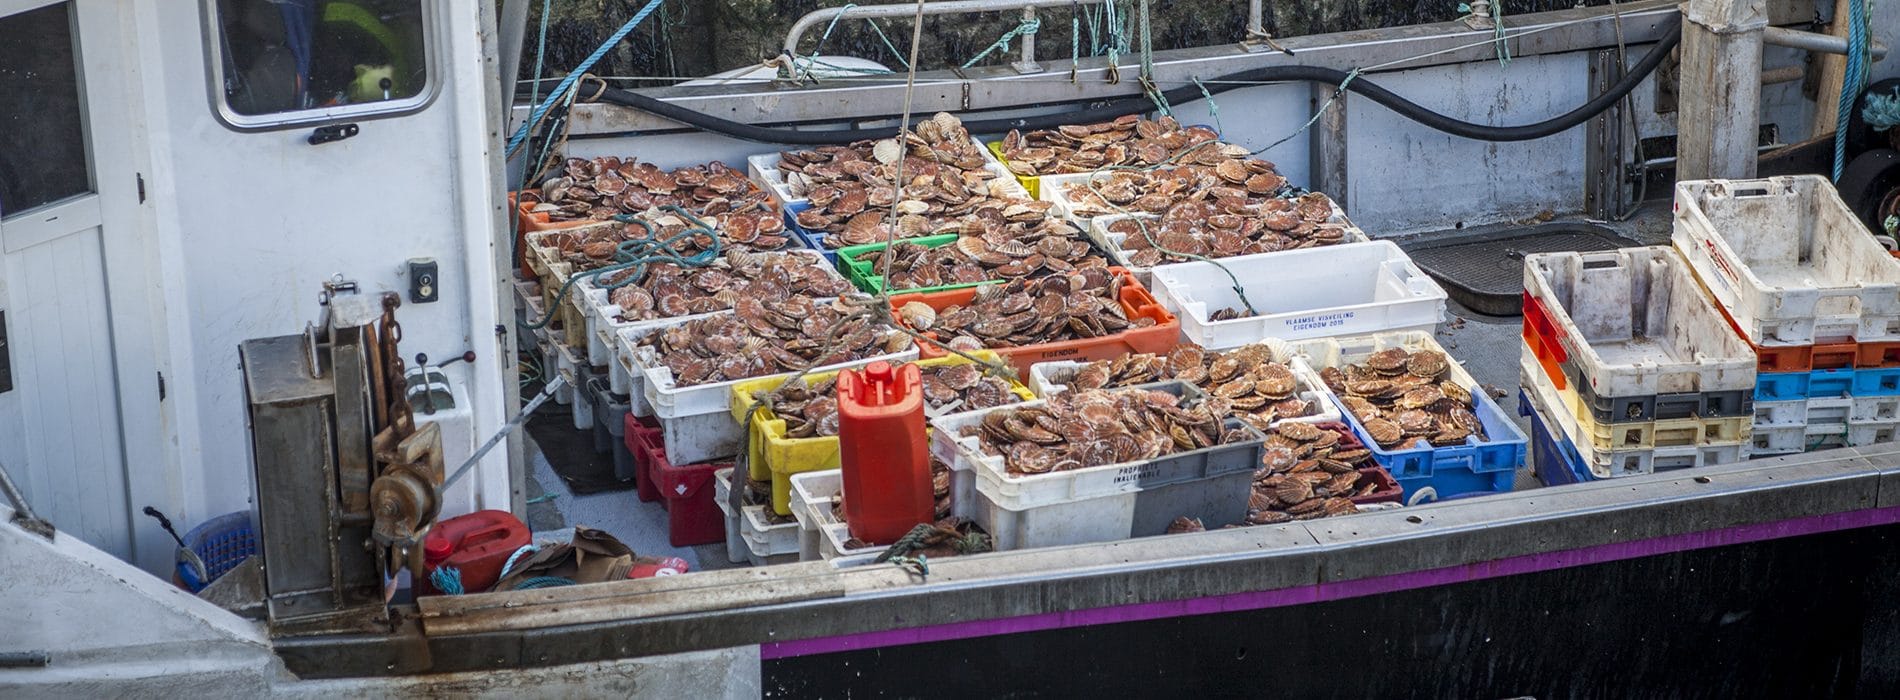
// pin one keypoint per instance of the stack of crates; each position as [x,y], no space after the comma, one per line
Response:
[1629,364]
[1798,276]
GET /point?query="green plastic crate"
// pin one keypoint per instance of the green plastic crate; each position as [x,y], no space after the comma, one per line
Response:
[864,275]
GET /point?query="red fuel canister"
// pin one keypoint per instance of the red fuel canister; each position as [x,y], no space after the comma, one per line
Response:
[477,545]
[885,458]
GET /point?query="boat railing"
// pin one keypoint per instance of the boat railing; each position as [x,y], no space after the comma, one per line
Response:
[1258,39]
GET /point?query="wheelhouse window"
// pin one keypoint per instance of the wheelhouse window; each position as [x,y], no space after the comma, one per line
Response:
[288,62]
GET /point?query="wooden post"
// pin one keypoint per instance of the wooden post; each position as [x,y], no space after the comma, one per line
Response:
[1827,95]
[1720,111]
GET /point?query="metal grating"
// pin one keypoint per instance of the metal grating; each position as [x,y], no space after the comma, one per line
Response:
[1484,269]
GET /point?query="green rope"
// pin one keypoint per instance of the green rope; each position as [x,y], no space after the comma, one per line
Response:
[1213,107]
[1028,25]
[1075,45]
[1148,65]
[636,254]
[817,49]
[1497,29]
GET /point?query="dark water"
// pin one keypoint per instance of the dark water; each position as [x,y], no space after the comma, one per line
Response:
[698,37]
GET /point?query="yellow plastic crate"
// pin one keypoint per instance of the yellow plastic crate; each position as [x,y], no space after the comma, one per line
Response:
[772,455]
[1645,435]
[1031,183]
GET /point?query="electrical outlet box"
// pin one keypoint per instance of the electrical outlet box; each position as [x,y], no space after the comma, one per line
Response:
[425,282]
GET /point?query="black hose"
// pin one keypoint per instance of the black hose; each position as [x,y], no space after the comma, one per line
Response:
[1136,105]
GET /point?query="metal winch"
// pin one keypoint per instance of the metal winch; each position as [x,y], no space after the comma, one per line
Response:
[346,485]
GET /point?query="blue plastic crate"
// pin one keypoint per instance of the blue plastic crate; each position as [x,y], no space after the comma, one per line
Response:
[808,238]
[1818,384]
[1555,460]
[221,543]
[1877,382]
[1503,453]
[1453,483]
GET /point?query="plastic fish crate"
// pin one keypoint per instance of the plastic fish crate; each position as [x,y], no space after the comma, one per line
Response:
[1782,414]
[833,545]
[697,420]
[864,276]
[1787,258]
[1503,452]
[1033,183]
[736,550]
[1113,242]
[1051,378]
[1022,492]
[1635,323]
[1348,289]
[1792,386]
[763,169]
[692,517]
[1683,446]
[1217,501]
[812,497]
[767,542]
[1634,409]
[1136,302]
[1796,439]
[778,457]
[1553,458]
[602,315]
[1051,188]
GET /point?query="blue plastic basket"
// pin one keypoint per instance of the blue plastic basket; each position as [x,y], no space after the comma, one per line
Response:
[221,543]
[814,240]
[1503,453]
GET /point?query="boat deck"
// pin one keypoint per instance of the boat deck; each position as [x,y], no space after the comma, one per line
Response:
[1487,345]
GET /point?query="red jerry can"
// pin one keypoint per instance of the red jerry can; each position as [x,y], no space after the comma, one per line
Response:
[477,545]
[885,457]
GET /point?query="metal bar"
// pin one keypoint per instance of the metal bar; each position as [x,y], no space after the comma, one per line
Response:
[1815,42]
[513,23]
[1326,154]
[996,88]
[546,393]
[23,515]
[813,18]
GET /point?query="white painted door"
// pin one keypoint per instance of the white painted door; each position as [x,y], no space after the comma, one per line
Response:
[78,383]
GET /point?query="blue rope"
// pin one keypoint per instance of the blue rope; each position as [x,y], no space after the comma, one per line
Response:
[525,549]
[447,579]
[521,134]
[543,582]
[1852,80]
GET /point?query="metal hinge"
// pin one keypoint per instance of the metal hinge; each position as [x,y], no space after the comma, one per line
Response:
[161,386]
[141,188]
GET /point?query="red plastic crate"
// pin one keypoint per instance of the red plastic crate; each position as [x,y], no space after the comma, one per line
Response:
[1540,335]
[1388,491]
[649,489]
[692,518]
[1135,300]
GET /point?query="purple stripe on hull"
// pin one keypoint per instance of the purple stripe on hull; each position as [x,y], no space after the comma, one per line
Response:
[1300,595]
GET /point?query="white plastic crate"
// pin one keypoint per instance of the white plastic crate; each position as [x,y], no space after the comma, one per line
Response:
[1618,463]
[1113,242]
[812,494]
[603,323]
[767,543]
[566,361]
[1781,414]
[736,550]
[1052,189]
[1874,409]
[696,422]
[1338,290]
[1050,378]
[1636,323]
[1022,492]
[1788,260]
[1797,438]
[832,545]
[1872,432]
[763,168]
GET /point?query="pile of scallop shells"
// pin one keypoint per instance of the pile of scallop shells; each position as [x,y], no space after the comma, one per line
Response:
[1125,141]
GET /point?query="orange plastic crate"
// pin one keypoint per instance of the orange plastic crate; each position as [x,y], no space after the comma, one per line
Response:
[1135,301]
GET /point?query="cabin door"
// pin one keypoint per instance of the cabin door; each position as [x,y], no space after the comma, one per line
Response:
[79,388]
